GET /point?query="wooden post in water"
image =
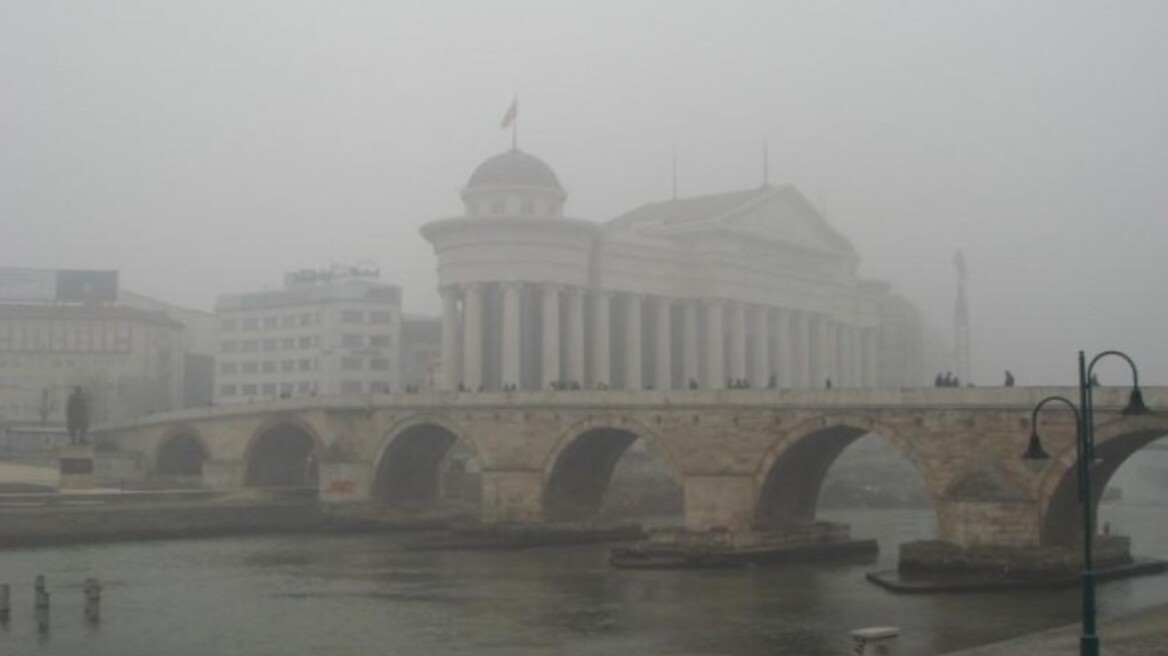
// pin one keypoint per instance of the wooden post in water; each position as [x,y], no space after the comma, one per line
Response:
[92,600]
[5,603]
[42,605]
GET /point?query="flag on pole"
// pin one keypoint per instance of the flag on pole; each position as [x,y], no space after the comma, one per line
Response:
[511,115]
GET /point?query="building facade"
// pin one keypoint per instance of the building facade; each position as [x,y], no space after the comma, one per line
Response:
[747,288]
[421,352]
[129,361]
[325,332]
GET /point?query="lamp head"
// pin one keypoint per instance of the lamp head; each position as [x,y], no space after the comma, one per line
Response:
[1135,404]
[1035,454]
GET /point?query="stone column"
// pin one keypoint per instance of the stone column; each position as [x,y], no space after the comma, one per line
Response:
[802,349]
[715,362]
[737,341]
[871,368]
[510,348]
[845,356]
[783,357]
[575,332]
[633,342]
[818,339]
[602,353]
[762,368]
[689,337]
[663,379]
[472,337]
[449,358]
[856,362]
[550,355]
[829,351]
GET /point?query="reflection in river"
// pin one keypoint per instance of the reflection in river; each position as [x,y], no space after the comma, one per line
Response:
[306,596]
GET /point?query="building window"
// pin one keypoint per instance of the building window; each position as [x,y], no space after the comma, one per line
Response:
[379,341]
[251,367]
[379,364]
[350,387]
[288,320]
[248,390]
[229,325]
[249,345]
[527,207]
[288,365]
[305,364]
[352,316]
[229,346]
[497,207]
[288,343]
[269,366]
[269,389]
[271,344]
[306,319]
[353,341]
[271,322]
[251,323]
[286,389]
[306,342]
[227,390]
[228,367]
[351,364]
[304,388]
[381,317]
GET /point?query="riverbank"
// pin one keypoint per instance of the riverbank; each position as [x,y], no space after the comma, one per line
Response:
[1142,633]
[36,520]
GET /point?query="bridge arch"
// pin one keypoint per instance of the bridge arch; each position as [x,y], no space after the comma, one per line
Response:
[1115,442]
[284,451]
[790,476]
[578,470]
[409,464]
[181,453]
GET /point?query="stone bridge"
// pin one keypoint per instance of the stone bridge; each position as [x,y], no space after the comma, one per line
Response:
[744,458]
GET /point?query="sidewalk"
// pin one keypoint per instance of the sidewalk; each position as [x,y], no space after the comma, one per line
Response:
[1143,633]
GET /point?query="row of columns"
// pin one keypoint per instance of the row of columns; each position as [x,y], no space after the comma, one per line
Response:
[789,348]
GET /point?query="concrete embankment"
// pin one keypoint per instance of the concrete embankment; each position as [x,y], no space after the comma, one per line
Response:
[1143,633]
[57,519]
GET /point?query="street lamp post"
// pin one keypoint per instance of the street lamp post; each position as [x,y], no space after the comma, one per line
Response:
[1085,450]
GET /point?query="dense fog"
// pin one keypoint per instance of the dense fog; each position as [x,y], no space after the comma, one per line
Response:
[206,148]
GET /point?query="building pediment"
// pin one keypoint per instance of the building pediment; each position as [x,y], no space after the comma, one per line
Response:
[774,214]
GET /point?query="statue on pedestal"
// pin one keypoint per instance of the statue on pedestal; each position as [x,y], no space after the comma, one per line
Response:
[77,416]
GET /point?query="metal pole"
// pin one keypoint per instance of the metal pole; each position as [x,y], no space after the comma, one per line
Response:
[1089,641]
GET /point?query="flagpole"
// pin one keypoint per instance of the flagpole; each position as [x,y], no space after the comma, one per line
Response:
[515,133]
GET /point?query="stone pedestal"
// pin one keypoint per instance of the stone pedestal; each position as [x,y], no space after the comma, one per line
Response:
[75,464]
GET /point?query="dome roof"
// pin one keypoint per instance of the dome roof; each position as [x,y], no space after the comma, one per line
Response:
[514,168]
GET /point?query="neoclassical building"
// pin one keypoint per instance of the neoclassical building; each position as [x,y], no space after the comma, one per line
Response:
[747,287]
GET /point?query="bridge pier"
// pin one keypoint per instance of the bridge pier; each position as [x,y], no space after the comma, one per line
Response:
[346,482]
[997,523]
[223,474]
[512,497]
[719,500]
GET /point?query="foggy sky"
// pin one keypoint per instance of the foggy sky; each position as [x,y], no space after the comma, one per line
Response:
[208,147]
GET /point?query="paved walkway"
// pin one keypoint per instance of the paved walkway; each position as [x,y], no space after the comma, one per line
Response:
[1144,633]
[18,474]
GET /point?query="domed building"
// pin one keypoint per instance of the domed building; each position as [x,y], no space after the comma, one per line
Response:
[749,287]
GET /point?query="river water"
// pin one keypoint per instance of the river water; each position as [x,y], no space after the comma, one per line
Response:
[308,596]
